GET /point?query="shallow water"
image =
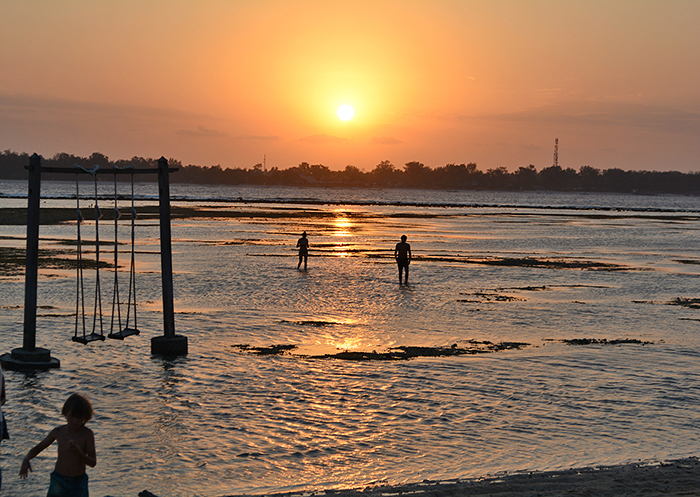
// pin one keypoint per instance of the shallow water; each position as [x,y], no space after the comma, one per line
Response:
[221,421]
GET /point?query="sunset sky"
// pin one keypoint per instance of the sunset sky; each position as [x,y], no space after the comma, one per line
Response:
[494,82]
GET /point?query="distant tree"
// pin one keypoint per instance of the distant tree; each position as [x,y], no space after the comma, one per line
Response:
[417,175]
[320,172]
[98,159]
[12,165]
[384,174]
[498,178]
[615,180]
[556,178]
[141,163]
[589,178]
[525,178]
[352,175]
[464,176]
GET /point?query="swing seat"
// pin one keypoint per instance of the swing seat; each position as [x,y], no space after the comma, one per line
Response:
[126,332]
[92,337]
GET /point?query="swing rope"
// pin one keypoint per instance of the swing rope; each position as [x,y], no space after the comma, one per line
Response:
[126,331]
[86,338]
[131,304]
[115,295]
[80,290]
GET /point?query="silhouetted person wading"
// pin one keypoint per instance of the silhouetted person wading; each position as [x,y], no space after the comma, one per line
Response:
[402,254]
[303,245]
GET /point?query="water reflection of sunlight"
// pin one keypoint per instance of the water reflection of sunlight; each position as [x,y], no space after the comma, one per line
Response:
[340,250]
[342,226]
[346,343]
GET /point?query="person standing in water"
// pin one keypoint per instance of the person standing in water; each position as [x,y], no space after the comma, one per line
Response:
[402,254]
[303,245]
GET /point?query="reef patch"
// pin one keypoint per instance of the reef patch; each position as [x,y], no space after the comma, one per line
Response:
[270,350]
[689,303]
[400,353]
[530,262]
[482,297]
[13,261]
[601,341]
[311,322]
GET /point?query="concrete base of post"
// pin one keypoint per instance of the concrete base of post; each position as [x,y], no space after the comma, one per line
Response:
[169,346]
[27,360]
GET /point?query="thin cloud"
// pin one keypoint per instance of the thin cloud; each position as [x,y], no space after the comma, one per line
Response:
[201,132]
[596,113]
[43,104]
[384,140]
[322,139]
[259,137]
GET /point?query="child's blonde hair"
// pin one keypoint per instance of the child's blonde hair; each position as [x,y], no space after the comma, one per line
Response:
[78,406]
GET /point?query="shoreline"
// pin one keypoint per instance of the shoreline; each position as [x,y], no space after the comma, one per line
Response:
[673,478]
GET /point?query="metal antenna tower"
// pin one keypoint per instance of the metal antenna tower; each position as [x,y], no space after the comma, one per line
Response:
[556,152]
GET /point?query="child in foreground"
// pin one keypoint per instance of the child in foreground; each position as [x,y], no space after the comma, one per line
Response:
[76,449]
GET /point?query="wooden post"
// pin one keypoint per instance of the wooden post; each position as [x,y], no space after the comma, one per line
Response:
[31,276]
[166,257]
[169,344]
[29,356]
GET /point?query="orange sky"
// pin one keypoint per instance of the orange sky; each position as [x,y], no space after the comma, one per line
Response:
[441,81]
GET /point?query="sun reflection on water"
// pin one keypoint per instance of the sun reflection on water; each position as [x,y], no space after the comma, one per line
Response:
[342,225]
[346,343]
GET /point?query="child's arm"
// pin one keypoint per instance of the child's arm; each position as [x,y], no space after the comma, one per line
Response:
[89,457]
[50,438]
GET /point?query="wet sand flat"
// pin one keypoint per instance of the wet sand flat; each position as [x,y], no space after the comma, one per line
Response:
[668,479]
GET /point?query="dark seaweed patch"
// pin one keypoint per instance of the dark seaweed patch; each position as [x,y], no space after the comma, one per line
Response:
[686,302]
[490,297]
[400,353]
[13,260]
[603,341]
[529,262]
[690,303]
[242,241]
[551,263]
[311,323]
[271,350]
[526,288]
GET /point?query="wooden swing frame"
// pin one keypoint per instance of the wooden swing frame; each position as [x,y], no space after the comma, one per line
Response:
[31,357]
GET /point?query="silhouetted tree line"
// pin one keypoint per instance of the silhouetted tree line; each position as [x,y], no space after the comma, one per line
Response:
[386,175]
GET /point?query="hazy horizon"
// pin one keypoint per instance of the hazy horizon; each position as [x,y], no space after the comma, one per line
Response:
[235,83]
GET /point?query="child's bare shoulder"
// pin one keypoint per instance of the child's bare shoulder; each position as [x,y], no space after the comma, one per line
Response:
[59,430]
[87,432]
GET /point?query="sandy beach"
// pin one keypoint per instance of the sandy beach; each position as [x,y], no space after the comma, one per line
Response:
[668,479]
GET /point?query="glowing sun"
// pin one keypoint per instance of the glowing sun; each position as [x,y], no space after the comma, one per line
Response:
[345,112]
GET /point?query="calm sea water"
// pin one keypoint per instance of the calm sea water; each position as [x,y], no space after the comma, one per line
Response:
[220,421]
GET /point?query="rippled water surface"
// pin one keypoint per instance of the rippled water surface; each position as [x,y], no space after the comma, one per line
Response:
[541,269]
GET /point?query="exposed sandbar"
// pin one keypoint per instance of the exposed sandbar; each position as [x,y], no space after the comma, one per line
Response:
[668,479]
